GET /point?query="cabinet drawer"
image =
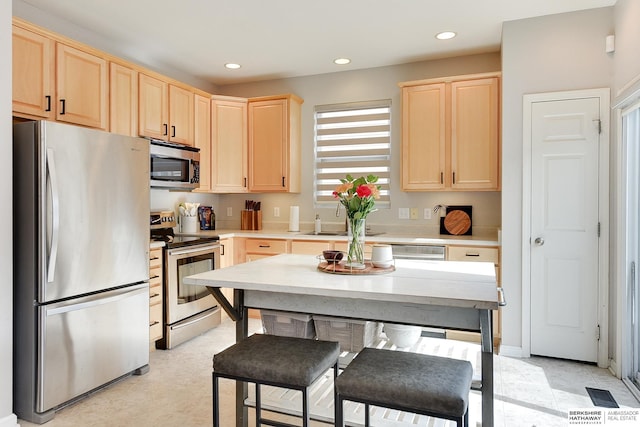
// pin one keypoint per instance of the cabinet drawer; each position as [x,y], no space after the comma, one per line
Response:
[155,295]
[155,258]
[155,276]
[469,253]
[309,248]
[155,322]
[264,246]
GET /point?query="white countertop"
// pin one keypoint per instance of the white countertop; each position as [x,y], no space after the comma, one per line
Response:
[444,283]
[390,237]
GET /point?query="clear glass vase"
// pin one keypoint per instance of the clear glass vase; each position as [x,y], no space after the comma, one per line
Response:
[355,238]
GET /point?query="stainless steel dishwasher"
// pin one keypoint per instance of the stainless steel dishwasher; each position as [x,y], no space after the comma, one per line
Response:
[426,253]
[423,252]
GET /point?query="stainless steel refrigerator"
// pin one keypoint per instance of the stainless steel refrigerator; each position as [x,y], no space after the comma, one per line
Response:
[81,263]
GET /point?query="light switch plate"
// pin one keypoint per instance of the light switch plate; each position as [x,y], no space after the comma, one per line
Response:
[403,213]
[413,213]
[229,211]
[276,212]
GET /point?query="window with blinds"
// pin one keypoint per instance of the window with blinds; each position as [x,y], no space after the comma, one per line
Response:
[353,139]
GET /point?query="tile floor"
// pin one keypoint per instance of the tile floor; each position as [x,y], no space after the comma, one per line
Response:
[177,391]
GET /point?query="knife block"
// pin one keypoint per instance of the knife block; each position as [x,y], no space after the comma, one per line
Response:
[251,220]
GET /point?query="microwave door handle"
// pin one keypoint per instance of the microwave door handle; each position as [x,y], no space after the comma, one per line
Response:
[55,215]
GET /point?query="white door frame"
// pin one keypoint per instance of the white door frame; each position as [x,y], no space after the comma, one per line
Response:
[621,364]
[603,213]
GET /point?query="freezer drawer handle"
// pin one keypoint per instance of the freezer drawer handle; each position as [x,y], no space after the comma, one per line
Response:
[96,301]
[55,215]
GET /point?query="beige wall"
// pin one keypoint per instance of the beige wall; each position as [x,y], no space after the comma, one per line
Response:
[626,58]
[7,418]
[365,85]
[551,53]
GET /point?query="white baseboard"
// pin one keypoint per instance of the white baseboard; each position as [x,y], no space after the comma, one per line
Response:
[510,351]
[10,420]
[613,368]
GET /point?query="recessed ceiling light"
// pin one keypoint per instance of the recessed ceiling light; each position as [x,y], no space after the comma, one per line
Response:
[232,66]
[341,61]
[445,35]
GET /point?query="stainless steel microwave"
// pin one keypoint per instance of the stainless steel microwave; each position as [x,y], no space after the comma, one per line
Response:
[174,166]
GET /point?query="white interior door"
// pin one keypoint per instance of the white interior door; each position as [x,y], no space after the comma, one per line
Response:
[564,226]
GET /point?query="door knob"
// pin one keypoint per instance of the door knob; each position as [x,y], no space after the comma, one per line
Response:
[539,241]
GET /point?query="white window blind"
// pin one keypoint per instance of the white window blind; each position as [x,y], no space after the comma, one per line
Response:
[355,139]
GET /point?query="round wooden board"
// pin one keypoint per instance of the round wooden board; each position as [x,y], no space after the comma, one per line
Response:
[340,268]
[457,222]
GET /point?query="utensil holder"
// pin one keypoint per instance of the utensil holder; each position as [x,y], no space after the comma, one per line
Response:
[251,220]
[189,224]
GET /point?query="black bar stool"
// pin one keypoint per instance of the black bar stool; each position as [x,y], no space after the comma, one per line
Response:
[287,362]
[422,384]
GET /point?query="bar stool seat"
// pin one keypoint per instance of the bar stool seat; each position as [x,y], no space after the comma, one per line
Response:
[287,362]
[423,384]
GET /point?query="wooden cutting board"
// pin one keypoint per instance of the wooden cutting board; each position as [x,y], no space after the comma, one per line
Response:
[457,222]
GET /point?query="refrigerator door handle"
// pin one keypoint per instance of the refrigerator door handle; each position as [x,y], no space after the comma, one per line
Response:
[55,215]
[97,299]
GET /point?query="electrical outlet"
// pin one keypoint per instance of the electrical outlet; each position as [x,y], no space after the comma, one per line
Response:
[427,213]
[229,211]
[413,213]
[403,213]
[276,212]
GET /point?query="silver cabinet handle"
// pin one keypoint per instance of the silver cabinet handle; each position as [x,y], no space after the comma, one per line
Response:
[539,241]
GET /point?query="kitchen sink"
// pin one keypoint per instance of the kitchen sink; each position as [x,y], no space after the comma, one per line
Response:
[341,233]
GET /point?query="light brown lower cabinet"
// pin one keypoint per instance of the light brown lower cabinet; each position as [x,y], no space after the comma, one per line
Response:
[478,254]
[155,295]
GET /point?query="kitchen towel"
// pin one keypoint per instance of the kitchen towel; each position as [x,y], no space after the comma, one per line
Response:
[294,218]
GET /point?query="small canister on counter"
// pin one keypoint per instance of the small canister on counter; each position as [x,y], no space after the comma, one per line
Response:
[207,218]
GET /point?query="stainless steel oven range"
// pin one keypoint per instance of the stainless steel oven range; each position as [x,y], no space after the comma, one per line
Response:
[189,310]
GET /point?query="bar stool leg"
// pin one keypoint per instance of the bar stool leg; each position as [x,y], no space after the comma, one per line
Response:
[339,421]
[258,406]
[366,415]
[305,407]
[216,405]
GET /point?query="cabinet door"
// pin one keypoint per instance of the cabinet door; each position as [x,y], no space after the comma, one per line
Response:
[180,115]
[309,247]
[81,83]
[423,137]
[202,138]
[475,148]
[152,107]
[268,145]
[226,253]
[123,100]
[33,71]
[229,145]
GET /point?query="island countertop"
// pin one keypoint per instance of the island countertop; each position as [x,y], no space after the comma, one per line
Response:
[442,283]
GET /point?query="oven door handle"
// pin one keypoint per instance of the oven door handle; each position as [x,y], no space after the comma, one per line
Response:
[191,250]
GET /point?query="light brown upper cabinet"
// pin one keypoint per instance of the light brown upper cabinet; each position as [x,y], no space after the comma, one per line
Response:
[450,134]
[202,138]
[33,73]
[165,111]
[274,144]
[81,84]
[123,100]
[229,146]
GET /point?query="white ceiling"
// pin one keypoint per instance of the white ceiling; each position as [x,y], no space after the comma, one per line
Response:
[288,38]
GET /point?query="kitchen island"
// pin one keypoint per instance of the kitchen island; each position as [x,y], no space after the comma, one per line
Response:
[444,294]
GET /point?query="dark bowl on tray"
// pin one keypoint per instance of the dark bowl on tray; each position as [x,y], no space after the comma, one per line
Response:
[332,256]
